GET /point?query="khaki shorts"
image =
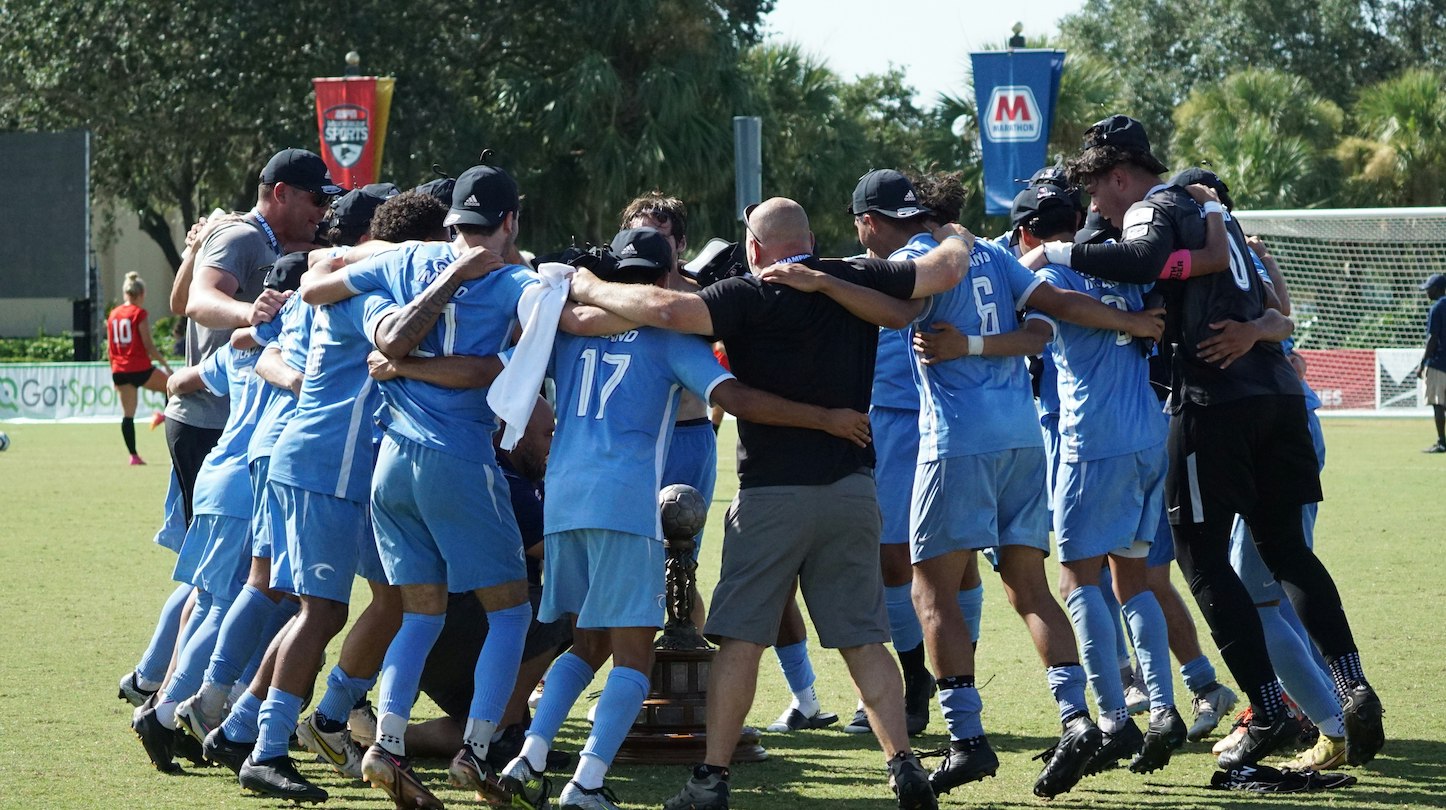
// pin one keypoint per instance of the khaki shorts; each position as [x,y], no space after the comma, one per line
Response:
[824,537]
[1435,386]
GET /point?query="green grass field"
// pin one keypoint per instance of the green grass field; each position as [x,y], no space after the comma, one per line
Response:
[80,584]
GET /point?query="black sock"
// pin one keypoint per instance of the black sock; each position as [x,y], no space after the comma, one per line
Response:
[128,432]
[912,662]
[1346,672]
[956,682]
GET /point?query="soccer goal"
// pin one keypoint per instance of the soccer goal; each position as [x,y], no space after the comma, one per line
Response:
[1354,278]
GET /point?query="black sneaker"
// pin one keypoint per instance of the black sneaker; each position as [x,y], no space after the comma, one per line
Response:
[220,749]
[1365,732]
[1079,739]
[1164,737]
[919,690]
[860,724]
[1260,741]
[159,741]
[278,777]
[704,791]
[910,783]
[189,748]
[965,761]
[1125,742]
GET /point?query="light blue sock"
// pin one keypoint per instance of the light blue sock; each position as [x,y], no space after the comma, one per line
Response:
[797,669]
[193,622]
[617,709]
[241,724]
[1068,685]
[1198,674]
[903,621]
[1152,646]
[276,722]
[1287,612]
[496,671]
[343,691]
[566,679]
[191,663]
[406,656]
[971,604]
[157,657]
[239,636]
[280,615]
[962,708]
[1092,620]
[1302,679]
[1107,591]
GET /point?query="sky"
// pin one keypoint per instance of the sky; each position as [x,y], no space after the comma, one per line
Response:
[929,39]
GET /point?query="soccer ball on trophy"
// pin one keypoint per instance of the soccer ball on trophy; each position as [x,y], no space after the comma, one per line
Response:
[683,510]
[5,443]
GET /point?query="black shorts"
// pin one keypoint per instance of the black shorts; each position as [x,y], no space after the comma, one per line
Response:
[1226,459]
[136,378]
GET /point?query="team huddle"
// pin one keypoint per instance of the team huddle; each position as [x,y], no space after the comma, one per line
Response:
[381,385]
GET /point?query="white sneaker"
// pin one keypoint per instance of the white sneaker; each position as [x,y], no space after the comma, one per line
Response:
[1210,708]
[131,691]
[335,748]
[190,719]
[362,722]
[1137,700]
[536,696]
[575,798]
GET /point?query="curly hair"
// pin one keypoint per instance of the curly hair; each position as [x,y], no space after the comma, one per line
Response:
[411,215]
[1095,161]
[656,205]
[940,192]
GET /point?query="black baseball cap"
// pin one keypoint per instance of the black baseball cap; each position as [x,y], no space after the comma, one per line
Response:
[1204,177]
[1096,229]
[384,190]
[301,169]
[887,192]
[1036,200]
[645,248]
[1125,133]
[441,188]
[285,274]
[352,214]
[482,196]
[1434,282]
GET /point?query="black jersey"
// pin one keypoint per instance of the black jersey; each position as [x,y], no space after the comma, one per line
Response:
[1168,219]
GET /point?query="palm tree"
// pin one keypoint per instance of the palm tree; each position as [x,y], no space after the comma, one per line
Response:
[1399,157]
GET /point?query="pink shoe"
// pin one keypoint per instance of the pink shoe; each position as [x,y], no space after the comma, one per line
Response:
[136,461]
[157,419]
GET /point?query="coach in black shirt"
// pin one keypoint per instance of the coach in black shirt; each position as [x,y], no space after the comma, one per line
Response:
[806,510]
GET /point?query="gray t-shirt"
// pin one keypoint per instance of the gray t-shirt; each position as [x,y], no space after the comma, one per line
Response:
[242,250]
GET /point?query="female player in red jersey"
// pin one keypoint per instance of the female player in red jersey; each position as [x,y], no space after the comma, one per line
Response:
[131,351]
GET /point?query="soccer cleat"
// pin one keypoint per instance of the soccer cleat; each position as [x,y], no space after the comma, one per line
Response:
[573,797]
[220,749]
[471,772]
[910,783]
[919,691]
[792,720]
[362,723]
[335,748]
[536,696]
[1209,706]
[1117,745]
[394,775]
[136,461]
[860,724]
[1137,700]
[157,419]
[1260,741]
[706,792]
[1327,754]
[131,691]
[159,741]
[192,721]
[1163,737]
[1237,730]
[1365,732]
[526,789]
[1438,447]
[1079,739]
[277,777]
[965,761]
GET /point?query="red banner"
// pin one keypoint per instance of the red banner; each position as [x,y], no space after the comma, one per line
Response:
[1342,378]
[351,119]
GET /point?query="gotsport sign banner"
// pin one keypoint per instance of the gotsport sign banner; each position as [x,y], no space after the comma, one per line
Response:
[55,392]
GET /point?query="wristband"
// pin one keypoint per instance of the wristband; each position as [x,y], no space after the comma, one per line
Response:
[976,345]
[1213,207]
[1058,252]
[961,237]
[1177,266]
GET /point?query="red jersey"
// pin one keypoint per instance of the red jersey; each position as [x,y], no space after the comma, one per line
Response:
[123,332]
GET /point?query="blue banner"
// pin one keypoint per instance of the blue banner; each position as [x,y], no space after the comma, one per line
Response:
[1014,92]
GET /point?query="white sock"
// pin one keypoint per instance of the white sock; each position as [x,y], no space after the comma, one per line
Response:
[1334,726]
[147,684]
[806,701]
[1110,722]
[534,750]
[479,735]
[211,699]
[166,713]
[392,733]
[590,772]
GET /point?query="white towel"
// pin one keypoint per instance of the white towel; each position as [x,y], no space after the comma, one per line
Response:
[514,392]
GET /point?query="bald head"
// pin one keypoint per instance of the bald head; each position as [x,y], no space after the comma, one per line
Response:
[780,227]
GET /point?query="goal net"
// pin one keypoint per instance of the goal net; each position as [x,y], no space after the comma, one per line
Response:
[1354,277]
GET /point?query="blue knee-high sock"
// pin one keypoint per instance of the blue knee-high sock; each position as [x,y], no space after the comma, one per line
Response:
[566,679]
[1198,674]
[797,669]
[903,621]
[239,636]
[193,622]
[1107,590]
[277,721]
[622,699]
[1302,679]
[971,604]
[1287,612]
[1093,619]
[191,664]
[280,615]
[1067,684]
[1152,646]
[241,724]
[402,667]
[342,692]
[496,671]
[157,656]
[962,707]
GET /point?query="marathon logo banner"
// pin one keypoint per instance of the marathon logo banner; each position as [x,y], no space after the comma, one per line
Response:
[351,120]
[1014,92]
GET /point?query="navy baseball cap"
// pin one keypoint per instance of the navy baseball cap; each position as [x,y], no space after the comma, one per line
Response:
[301,169]
[1096,229]
[286,273]
[384,190]
[1127,134]
[1036,200]
[1204,177]
[352,214]
[645,248]
[886,192]
[1435,282]
[441,188]
[483,195]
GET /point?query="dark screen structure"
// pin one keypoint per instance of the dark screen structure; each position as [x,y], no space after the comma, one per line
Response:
[45,216]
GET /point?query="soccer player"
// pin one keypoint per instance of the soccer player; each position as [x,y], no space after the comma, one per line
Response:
[131,349]
[1433,362]
[1239,441]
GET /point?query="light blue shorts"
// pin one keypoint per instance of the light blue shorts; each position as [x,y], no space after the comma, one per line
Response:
[605,578]
[1049,426]
[440,518]
[1104,505]
[693,460]
[896,453]
[1162,551]
[1253,572]
[263,506]
[980,501]
[172,533]
[325,538]
[226,560]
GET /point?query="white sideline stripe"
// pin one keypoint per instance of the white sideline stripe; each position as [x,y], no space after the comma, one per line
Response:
[1196,509]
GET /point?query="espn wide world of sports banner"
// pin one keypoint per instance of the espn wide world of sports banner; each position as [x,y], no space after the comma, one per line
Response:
[64,392]
[351,120]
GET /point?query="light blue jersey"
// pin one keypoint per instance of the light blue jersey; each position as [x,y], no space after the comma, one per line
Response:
[479,321]
[291,336]
[327,445]
[973,405]
[223,485]
[617,399]
[1107,407]
[894,362]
